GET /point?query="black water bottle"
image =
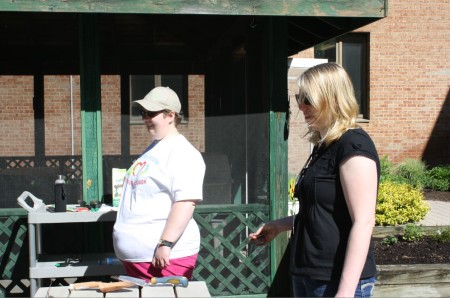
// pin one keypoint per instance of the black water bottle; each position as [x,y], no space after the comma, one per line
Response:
[60,196]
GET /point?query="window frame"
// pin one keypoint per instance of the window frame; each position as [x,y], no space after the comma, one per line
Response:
[363,39]
[135,117]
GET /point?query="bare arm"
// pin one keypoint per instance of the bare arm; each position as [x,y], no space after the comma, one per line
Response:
[179,217]
[359,182]
[271,229]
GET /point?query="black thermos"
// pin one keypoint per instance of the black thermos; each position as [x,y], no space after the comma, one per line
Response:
[60,196]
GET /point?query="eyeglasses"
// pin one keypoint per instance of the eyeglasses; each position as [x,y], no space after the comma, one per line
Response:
[149,114]
[304,100]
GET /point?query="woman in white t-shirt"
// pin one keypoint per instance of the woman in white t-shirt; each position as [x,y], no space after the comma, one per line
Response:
[155,234]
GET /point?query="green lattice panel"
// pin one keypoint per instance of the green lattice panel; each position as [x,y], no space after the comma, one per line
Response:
[227,262]
[13,257]
[71,166]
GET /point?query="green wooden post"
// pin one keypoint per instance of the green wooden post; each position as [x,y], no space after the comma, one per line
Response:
[277,59]
[91,117]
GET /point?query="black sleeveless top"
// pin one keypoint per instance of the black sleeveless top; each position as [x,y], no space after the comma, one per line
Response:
[323,225]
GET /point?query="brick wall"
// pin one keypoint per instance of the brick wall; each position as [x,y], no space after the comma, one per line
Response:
[410,76]
[195,130]
[111,126]
[57,115]
[409,80]
[17,116]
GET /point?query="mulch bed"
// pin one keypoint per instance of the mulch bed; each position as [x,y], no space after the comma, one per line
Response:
[425,251]
[443,196]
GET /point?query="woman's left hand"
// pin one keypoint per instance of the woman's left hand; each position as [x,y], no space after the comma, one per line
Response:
[161,257]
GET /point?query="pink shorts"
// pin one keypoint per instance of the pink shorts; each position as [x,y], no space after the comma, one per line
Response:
[145,270]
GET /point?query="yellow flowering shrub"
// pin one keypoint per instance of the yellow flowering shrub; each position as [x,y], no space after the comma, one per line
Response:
[291,189]
[399,203]
[292,200]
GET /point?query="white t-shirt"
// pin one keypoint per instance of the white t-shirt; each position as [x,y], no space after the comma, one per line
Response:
[170,170]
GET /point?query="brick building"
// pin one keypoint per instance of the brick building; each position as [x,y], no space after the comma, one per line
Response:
[409,79]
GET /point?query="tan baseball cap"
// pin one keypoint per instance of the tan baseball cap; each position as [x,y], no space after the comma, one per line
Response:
[158,99]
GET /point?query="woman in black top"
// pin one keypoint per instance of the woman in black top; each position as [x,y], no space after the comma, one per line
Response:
[332,248]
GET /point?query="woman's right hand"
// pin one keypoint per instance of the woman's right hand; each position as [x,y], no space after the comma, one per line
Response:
[266,233]
[271,229]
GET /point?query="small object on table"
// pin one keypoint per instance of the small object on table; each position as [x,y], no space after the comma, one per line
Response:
[104,287]
[174,281]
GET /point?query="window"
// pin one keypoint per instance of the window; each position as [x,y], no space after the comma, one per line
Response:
[140,85]
[352,52]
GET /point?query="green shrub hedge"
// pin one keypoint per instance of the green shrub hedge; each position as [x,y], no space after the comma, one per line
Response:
[438,178]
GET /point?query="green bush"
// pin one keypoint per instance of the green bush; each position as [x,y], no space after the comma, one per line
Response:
[399,203]
[439,178]
[389,240]
[385,169]
[412,232]
[442,236]
[412,171]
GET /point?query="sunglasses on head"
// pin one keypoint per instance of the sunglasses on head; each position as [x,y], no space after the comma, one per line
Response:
[149,114]
[303,100]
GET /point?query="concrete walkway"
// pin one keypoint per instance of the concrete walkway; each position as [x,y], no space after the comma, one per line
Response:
[439,214]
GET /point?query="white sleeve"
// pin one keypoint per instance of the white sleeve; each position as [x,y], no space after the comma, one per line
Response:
[188,171]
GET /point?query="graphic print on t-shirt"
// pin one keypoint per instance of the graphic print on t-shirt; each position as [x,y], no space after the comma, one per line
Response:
[138,167]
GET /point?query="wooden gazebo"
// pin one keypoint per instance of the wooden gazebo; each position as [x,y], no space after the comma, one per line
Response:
[241,48]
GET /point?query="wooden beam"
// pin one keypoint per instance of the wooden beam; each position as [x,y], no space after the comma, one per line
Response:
[331,8]
[91,116]
[279,109]
[39,115]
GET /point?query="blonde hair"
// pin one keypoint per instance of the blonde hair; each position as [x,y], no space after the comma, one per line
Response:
[330,91]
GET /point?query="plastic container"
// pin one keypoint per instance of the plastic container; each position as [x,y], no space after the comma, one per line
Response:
[109,261]
[60,196]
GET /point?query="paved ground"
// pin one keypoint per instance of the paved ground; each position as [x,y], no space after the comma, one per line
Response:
[439,214]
